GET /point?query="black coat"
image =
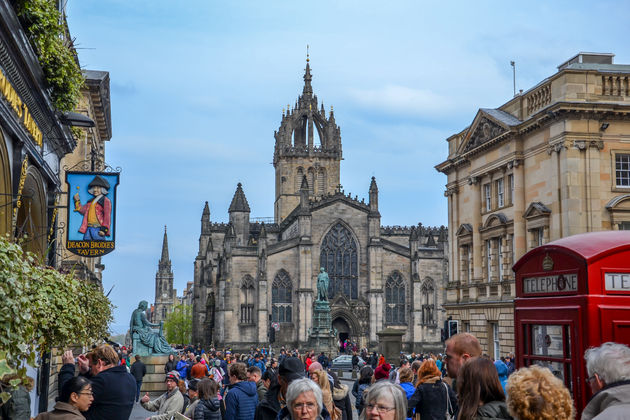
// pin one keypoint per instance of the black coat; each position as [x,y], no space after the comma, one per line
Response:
[170,365]
[114,392]
[208,410]
[270,406]
[429,400]
[138,370]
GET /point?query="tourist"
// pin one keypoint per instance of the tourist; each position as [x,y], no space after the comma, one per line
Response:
[480,395]
[382,371]
[321,378]
[138,370]
[240,399]
[167,404]
[171,364]
[341,397]
[290,369]
[75,397]
[535,393]
[270,379]
[432,397]
[304,402]
[254,375]
[384,401]
[459,349]
[608,368]
[182,367]
[193,398]
[199,370]
[114,388]
[361,385]
[502,371]
[209,407]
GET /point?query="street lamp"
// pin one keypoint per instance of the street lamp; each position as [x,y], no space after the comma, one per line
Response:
[74,119]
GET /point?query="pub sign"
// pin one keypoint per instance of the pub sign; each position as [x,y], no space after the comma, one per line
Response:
[91,227]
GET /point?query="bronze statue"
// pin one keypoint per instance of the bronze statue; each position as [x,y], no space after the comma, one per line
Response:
[322,286]
[146,341]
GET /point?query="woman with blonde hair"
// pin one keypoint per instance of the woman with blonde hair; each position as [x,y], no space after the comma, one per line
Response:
[321,378]
[433,398]
[535,393]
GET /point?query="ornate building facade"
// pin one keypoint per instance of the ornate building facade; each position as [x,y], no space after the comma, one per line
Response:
[248,274]
[553,161]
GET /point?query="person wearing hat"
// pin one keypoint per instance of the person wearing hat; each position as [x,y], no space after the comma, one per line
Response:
[291,368]
[97,212]
[167,404]
[382,372]
[193,395]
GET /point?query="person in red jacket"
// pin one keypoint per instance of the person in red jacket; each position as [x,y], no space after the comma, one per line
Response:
[199,370]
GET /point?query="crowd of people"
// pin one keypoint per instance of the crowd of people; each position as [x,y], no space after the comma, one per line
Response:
[461,384]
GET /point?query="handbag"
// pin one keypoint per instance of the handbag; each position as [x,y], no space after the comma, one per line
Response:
[449,408]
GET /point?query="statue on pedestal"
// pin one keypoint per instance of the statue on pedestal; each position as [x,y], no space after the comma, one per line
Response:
[322,285]
[145,340]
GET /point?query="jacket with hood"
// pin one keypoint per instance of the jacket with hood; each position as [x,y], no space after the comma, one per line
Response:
[341,398]
[429,399]
[494,410]
[611,402]
[241,401]
[502,371]
[208,410]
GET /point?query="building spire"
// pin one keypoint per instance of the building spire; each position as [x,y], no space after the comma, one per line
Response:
[308,89]
[165,259]
[239,202]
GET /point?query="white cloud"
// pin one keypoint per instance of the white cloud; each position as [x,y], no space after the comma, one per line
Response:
[401,99]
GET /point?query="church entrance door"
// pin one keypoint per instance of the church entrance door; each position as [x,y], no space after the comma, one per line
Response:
[343,332]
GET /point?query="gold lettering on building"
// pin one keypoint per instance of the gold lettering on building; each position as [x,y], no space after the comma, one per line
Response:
[20,108]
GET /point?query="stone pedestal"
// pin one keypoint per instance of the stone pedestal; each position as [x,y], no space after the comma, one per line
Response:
[153,381]
[390,344]
[322,337]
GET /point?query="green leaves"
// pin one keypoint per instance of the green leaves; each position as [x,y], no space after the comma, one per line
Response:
[49,36]
[41,308]
[178,325]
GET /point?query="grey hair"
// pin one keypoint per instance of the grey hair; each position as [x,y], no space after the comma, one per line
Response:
[610,361]
[390,392]
[300,386]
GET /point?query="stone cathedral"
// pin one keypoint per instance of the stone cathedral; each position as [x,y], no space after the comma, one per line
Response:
[249,275]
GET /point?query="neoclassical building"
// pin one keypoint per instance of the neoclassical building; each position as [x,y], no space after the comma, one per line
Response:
[250,274]
[551,162]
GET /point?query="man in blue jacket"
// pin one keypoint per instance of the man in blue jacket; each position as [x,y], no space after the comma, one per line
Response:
[241,398]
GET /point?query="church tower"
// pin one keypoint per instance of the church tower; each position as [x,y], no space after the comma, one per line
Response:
[307,144]
[165,295]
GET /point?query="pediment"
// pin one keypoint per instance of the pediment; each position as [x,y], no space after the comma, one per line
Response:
[487,125]
[464,229]
[494,220]
[619,203]
[536,209]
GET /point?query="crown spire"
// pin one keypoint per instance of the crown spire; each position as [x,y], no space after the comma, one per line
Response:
[308,89]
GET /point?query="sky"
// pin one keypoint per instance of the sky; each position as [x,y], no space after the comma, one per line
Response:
[198,88]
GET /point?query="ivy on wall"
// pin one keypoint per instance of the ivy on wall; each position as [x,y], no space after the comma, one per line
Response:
[46,31]
[41,308]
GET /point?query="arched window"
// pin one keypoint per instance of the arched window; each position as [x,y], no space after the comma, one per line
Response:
[164,312]
[395,299]
[247,300]
[281,297]
[338,256]
[427,292]
[298,178]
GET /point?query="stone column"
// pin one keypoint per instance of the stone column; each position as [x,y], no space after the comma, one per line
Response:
[477,244]
[520,237]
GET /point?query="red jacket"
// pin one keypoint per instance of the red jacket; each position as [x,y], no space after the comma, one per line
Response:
[103,214]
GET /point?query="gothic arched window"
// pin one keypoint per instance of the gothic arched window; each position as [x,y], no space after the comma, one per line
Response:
[247,300]
[427,292]
[395,299]
[164,312]
[338,256]
[281,297]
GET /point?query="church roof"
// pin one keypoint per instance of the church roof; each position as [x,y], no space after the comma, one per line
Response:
[239,202]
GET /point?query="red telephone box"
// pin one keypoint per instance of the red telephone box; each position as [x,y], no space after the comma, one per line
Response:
[572,294]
